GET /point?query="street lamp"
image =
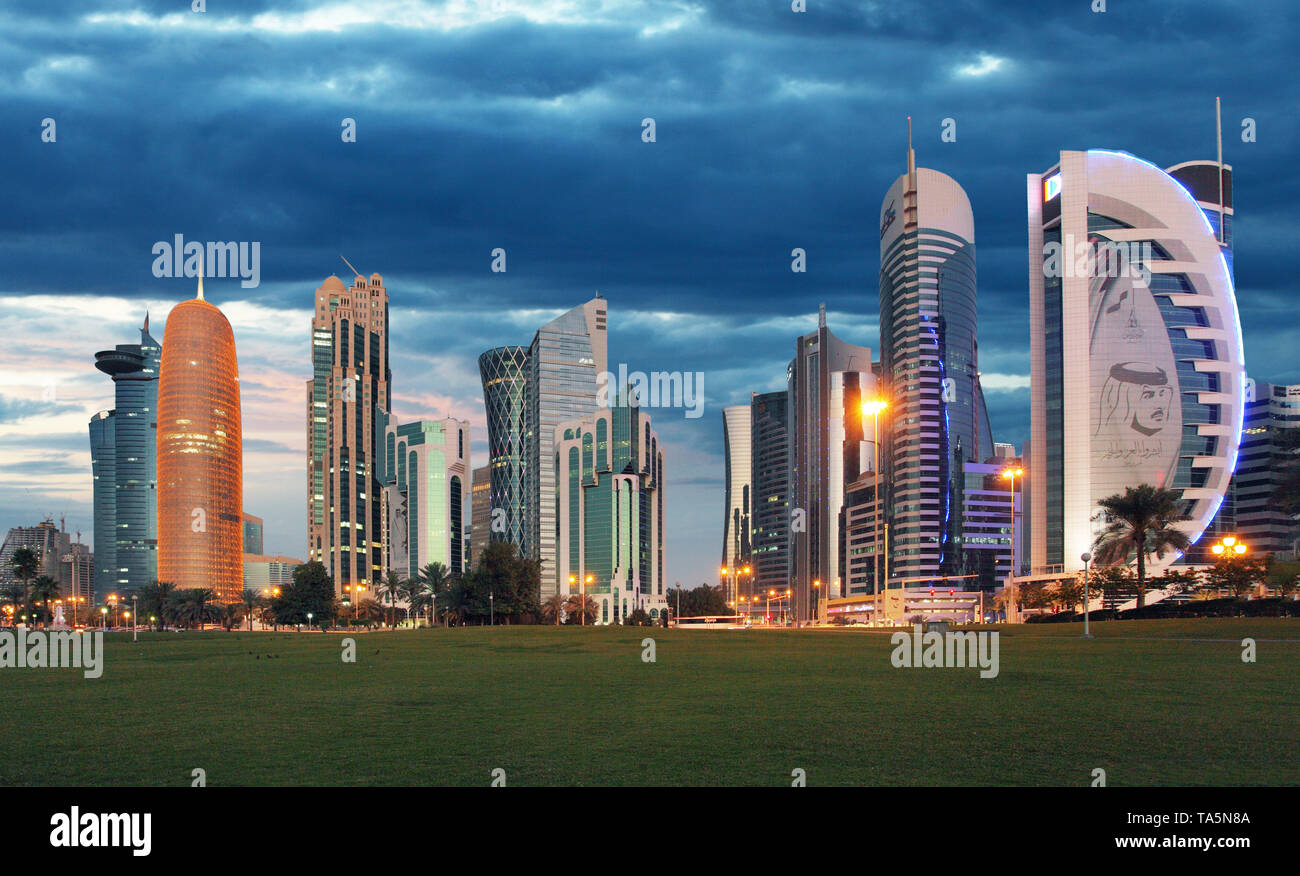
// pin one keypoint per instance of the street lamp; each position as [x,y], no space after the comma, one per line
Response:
[1086,557]
[1010,474]
[874,408]
[309,617]
[1228,546]
[135,620]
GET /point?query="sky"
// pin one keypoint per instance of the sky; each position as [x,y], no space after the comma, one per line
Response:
[519,125]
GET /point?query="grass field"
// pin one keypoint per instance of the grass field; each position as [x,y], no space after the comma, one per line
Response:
[1151,702]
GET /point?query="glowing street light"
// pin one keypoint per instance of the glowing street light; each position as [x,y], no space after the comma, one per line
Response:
[1228,546]
[874,408]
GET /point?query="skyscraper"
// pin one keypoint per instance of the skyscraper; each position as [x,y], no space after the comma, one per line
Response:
[736,507]
[564,360]
[1135,345]
[350,381]
[424,467]
[504,372]
[829,379]
[526,394]
[124,465]
[610,511]
[770,479]
[928,360]
[200,453]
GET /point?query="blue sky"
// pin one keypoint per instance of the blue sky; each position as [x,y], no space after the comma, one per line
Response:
[518,125]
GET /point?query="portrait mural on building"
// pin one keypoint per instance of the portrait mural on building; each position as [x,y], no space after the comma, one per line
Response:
[1136,415]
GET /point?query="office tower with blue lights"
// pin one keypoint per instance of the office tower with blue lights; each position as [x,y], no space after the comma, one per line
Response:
[929,368]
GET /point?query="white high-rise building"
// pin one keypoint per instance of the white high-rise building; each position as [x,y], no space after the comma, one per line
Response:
[1135,345]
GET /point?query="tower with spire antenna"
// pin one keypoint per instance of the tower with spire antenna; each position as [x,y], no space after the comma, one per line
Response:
[123,462]
[936,420]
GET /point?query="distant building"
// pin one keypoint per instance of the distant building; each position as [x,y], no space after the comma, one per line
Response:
[69,562]
[1270,409]
[252,533]
[480,513]
[263,572]
[200,453]
[424,470]
[830,448]
[770,488]
[736,508]
[124,466]
[610,511]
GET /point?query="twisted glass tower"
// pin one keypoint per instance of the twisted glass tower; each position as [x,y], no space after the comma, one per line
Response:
[200,453]
[504,372]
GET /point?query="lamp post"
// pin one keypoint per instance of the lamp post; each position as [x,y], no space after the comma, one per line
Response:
[1010,474]
[874,408]
[309,617]
[135,620]
[1087,558]
[492,609]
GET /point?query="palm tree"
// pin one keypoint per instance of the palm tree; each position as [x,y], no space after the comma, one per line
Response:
[1141,521]
[578,605]
[195,605]
[156,599]
[252,601]
[553,607]
[44,591]
[25,564]
[435,579]
[392,586]
[370,612]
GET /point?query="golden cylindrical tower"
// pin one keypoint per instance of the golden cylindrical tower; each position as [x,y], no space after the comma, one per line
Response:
[200,453]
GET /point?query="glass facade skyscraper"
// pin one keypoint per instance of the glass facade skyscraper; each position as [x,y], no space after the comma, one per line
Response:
[350,381]
[770,479]
[504,372]
[936,418]
[564,360]
[124,465]
[829,449]
[736,509]
[559,373]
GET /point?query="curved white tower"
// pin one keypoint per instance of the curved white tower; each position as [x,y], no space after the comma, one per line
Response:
[1138,374]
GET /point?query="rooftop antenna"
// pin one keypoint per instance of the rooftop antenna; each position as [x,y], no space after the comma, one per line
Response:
[202,271]
[1218,129]
[355,272]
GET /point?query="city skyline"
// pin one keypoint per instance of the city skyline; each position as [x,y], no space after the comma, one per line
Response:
[693,285]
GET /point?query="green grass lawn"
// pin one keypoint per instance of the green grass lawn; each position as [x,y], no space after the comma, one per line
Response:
[1143,700]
